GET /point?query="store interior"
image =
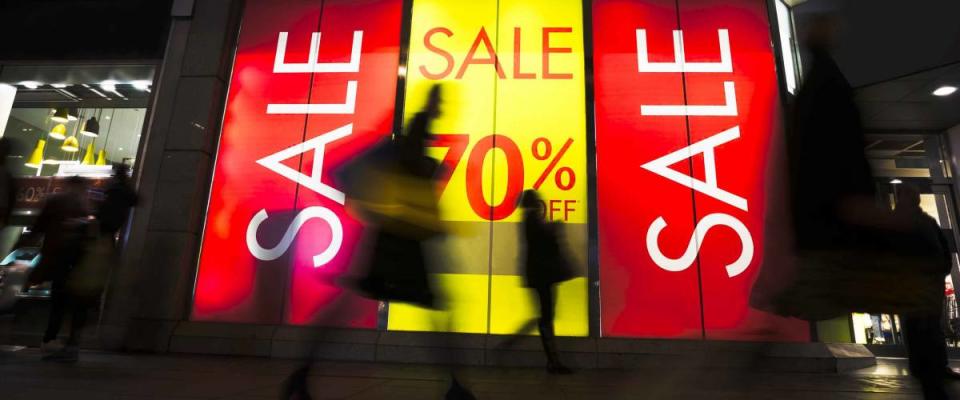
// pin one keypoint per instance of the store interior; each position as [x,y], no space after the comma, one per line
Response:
[75,120]
[918,160]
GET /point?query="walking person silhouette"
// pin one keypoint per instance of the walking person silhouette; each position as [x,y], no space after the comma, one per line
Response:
[544,264]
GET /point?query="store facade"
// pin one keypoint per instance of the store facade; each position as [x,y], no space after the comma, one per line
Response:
[646,126]
[651,128]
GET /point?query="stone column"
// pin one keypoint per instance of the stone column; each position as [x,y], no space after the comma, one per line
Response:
[151,290]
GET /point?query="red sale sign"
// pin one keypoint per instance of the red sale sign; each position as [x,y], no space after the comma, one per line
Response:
[686,106]
[313,85]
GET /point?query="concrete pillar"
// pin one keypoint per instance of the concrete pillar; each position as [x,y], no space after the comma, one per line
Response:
[152,289]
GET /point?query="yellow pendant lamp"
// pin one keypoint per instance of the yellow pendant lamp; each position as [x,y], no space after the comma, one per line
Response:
[102,154]
[102,157]
[71,145]
[59,132]
[36,158]
[88,158]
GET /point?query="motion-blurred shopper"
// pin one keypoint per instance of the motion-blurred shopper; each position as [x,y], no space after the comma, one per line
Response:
[393,190]
[545,264]
[851,252]
[8,189]
[830,183]
[64,224]
[119,198]
[90,276]
[403,212]
[922,329]
[841,234]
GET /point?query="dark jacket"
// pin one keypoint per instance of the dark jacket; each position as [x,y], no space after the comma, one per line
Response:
[113,212]
[544,261]
[924,240]
[62,224]
[9,193]
[826,155]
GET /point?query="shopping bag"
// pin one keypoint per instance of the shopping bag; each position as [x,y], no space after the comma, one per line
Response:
[89,276]
[834,283]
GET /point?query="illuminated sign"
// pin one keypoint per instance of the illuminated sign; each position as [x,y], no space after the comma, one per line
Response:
[312,87]
[687,102]
[513,119]
[686,106]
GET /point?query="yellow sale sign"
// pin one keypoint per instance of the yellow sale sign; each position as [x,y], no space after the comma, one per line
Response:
[513,119]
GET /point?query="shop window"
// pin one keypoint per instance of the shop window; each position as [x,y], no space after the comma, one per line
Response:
[915,160]
[68,121]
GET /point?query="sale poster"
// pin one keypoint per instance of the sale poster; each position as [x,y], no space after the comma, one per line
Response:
[687,107]
[512,78]
[307,95]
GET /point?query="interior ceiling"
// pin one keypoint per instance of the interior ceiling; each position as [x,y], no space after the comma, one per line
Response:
[83,85]
[894,147]
[879,40]
[907,103]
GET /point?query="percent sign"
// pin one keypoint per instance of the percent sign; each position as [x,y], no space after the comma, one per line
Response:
[547,147]
[542,150]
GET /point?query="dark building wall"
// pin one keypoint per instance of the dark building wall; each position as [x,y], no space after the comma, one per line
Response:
[83,29]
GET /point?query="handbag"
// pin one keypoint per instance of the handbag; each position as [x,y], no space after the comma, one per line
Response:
[833,283]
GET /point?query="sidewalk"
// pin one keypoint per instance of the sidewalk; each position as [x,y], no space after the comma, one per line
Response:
[142,376]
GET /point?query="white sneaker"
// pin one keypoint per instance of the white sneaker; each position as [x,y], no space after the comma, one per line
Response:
[51,347]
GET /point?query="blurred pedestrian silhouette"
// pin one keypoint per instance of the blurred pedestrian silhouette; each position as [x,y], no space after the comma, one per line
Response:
[8,189]
[393,190]
[545,264]
[831,183]
[64,224]
[922,329]
[841,233]
[851,252]
[119,198]
[89,278]
[402,213]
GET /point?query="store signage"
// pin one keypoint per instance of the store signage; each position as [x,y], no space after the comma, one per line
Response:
[513,118]
[312,87]
[688,108]
[704,148]
[685,105]
[32,192]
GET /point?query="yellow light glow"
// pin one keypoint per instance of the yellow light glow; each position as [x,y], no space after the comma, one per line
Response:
[465,309]
[516,101]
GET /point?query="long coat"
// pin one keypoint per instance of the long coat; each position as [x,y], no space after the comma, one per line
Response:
[544,261]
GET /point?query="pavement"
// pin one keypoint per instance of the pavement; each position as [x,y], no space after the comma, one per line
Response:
[100,375]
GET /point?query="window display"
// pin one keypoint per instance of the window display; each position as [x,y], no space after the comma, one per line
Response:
[67,121]
[915,160]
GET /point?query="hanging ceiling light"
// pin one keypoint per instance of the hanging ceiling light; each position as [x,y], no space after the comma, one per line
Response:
[72,114]
[102,157]
[59,132]
[71,145]
[60,115]
[36,158]
[88,158]
[91,127]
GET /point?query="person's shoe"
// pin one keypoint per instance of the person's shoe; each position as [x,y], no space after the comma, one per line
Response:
[50,347]
[296,387]
[69,354]
[558,369]
[458,392]
[951,374]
